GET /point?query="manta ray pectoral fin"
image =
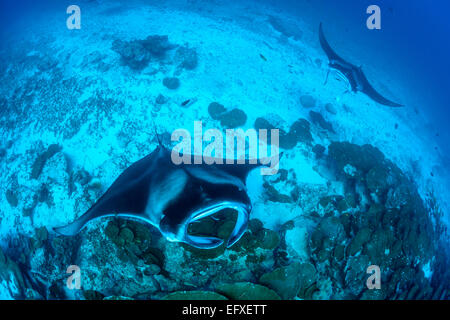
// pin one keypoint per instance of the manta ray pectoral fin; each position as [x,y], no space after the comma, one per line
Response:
[70,229]
[203,242]
[75,227]
[239,228]
[377,97]
[373,94]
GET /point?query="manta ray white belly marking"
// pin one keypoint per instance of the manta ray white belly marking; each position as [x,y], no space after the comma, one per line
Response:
[168,190]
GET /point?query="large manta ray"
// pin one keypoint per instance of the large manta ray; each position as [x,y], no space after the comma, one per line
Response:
[352,73]
[170,197]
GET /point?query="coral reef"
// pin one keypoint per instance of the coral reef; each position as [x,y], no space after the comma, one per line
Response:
[299,132]
[346,238]
[247,291]
[233,118]
[319,120]
[308,101]
[171,83]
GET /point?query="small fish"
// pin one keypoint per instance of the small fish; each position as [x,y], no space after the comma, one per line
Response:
[268,45]
[188,102]
[262,57]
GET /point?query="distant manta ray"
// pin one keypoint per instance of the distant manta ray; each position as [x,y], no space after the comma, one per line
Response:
[352,73]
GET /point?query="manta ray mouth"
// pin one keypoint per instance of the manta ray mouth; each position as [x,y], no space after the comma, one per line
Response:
[213,211]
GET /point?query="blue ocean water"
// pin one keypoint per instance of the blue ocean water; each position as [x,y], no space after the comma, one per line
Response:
[359,183]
